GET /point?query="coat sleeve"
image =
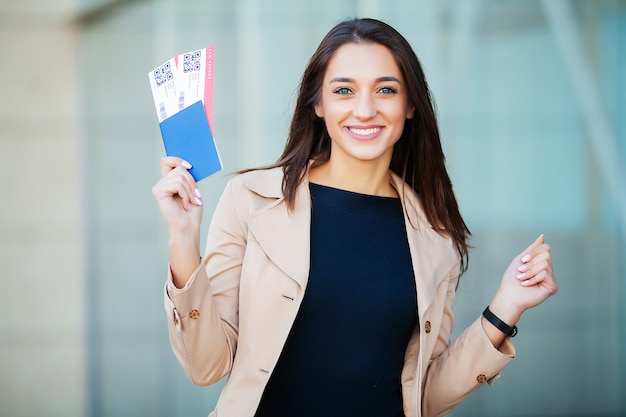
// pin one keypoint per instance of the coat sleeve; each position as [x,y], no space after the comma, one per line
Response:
[458,369]
[203,316]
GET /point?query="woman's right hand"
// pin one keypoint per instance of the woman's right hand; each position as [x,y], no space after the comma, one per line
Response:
[178,197]
[180,203]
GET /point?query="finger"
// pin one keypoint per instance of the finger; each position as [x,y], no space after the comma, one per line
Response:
[542,254]
[538,278]
[168,163]
[181,172]
[188,199]
[173,187]
[195,196]
[179,184]
[545,279]
[528,253]
[535,269]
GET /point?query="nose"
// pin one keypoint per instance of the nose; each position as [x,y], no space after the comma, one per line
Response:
[364,107]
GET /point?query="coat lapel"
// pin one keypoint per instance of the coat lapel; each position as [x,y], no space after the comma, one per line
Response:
[284,235]
[430,251]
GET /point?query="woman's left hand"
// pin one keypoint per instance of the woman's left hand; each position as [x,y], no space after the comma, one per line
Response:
[526,283]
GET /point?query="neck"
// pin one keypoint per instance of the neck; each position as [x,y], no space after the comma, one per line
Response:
[366,177]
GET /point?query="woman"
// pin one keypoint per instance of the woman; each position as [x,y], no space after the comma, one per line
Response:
[329,278]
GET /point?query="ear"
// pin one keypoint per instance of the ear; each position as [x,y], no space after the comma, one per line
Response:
[319,110]
[410,112]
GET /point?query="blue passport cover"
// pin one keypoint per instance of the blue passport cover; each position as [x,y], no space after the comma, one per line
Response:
[187,135]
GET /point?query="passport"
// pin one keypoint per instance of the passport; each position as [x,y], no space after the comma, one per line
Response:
[187,135]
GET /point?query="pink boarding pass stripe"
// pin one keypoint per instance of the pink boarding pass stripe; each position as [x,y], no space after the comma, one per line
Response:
[208,86]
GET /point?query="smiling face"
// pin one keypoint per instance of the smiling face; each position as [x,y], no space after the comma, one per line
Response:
[363,103]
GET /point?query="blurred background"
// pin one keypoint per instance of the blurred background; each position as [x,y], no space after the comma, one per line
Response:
[531,97]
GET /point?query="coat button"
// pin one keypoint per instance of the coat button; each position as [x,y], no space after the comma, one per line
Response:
[427,327]
[481,378]
[194,314]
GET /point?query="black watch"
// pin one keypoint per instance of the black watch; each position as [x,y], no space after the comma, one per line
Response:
[502,326]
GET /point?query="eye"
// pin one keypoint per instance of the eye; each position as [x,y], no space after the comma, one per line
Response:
[342,91]
[388,90]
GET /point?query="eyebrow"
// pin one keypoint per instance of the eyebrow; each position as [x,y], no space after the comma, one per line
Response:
[351,80]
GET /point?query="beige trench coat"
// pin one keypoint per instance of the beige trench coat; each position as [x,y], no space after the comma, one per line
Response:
[236,311]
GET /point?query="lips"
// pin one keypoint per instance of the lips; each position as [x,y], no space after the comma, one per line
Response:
[366,132]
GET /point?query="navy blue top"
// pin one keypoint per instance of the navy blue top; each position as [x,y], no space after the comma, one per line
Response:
[345,352]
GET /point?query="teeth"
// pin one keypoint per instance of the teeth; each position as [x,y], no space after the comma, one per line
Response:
[365,132]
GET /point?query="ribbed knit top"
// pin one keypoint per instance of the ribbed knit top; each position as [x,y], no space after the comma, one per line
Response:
[345,352]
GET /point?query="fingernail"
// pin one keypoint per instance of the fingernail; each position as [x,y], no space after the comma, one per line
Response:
[198,201]
[186,164]
[522,268]
[521,276]
[526,283]
[526,258]
[197,193]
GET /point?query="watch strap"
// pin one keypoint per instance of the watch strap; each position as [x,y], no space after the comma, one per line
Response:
[502,326]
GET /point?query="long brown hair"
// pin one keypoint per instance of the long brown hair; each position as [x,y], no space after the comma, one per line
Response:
[417,156]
